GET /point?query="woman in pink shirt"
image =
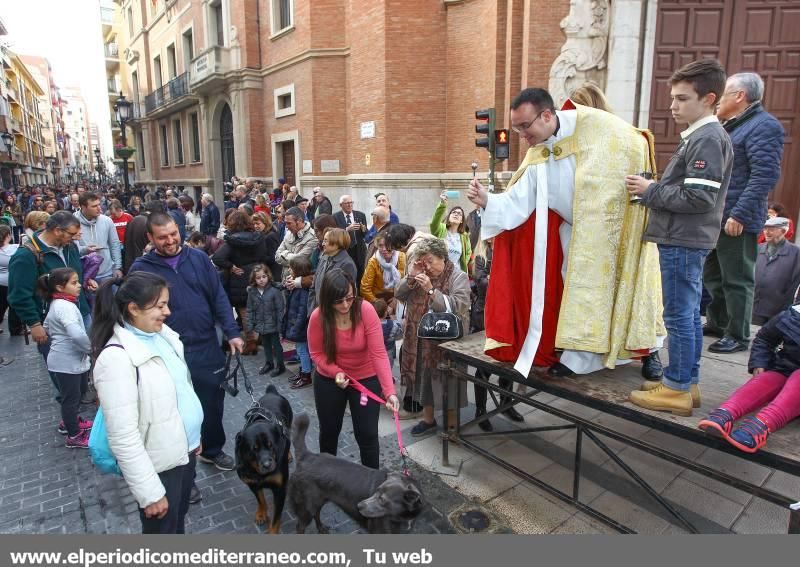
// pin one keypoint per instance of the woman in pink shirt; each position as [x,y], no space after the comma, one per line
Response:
[346,343]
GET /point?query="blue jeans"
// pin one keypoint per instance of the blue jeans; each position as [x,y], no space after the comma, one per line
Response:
[304,356]
[682,286]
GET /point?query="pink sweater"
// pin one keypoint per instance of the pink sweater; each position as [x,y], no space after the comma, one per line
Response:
[359,355]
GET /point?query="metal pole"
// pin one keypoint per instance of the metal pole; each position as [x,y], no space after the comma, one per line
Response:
[124,159]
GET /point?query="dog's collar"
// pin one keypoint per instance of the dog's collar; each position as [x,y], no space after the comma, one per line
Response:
[258,413]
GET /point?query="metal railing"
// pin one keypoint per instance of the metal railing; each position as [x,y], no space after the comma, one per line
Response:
[112,50]
[113,85]
[173,90]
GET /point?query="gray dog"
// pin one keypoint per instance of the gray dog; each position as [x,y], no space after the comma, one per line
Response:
[380,501]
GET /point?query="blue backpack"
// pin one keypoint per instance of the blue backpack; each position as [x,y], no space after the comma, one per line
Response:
[99,448]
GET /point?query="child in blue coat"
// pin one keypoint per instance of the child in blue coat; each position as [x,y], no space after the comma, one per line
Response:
[295,324]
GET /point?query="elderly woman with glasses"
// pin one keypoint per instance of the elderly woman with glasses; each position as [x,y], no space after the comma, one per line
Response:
[431,278]
[346,343]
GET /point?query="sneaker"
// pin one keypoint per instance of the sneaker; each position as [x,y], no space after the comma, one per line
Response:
[719,423]
[750,435]
[302,382]
[223,461]
[424,428]
[83,424]
[80,441]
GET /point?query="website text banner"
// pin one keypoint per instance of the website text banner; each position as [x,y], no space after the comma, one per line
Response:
[394,551]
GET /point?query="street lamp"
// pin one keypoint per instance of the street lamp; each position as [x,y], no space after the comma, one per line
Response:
[99,166]
[122,109]
[8,140]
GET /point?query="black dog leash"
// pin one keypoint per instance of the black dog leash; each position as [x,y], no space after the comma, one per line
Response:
[233,389]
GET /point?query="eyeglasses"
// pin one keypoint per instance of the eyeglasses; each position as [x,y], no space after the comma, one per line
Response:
[519,128]
[347,202]
[342,301]
[732,92]
[72,234]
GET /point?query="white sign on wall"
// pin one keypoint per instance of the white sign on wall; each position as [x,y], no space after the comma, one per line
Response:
[308,166]
[368,129]
[329,166]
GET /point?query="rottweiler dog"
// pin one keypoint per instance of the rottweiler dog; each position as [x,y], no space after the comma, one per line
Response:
[262,453]
[382,502]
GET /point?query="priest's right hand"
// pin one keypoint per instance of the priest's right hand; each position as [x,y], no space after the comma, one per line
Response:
[477,193]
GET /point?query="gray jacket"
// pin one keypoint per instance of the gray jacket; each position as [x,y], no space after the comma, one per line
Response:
[302,244]
[102,233]
[69,344]
[776,280]
[686,204]
[264,310]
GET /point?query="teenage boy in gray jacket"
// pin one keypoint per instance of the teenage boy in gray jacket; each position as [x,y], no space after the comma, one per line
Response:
[685,213]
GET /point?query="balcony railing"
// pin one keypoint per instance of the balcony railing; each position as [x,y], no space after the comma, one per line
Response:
[215,60]
[112,50]
[138,110]
[114,85]
[173,90]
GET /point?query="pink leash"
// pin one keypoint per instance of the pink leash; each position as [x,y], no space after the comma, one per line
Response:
[365,393]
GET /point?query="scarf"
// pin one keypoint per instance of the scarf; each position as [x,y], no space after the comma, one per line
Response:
[65,297]
[773,249]
[391,275]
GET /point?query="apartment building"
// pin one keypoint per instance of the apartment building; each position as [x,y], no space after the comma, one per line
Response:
[50,110]
[25,160]
[117,79]
[78,135]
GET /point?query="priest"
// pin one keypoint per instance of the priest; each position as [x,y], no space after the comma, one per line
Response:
[573,285]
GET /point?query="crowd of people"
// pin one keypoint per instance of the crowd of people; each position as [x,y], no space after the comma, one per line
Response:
[139,293]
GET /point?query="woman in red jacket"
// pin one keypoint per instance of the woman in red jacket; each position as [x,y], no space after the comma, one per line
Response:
[346,343]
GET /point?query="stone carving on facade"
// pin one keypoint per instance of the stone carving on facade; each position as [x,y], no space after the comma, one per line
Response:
[583,55]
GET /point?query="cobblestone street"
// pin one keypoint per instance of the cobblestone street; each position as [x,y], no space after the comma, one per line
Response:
[47,488]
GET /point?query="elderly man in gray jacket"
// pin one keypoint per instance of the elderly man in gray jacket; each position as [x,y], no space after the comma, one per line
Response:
[300,240]
[777,272]
[98,234]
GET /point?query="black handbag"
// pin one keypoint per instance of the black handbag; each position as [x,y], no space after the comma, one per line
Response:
[445,326]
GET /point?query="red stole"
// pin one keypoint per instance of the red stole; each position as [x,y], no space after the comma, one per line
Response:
[508,299]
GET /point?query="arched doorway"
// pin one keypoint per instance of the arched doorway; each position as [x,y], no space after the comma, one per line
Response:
[226,144]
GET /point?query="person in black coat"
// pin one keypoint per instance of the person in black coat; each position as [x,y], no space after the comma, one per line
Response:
[209,217]
[775,364]
[355,223]
[263,223]
[241,251]
[136,234]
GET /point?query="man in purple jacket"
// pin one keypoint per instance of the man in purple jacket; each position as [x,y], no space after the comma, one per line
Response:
[198,304]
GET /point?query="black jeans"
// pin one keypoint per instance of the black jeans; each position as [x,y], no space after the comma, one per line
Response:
[15,326]
[272,348]
[481,392]
[178,484]
[331,401]
[72,387]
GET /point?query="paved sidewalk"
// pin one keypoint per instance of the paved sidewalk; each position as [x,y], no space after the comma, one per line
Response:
[46,488]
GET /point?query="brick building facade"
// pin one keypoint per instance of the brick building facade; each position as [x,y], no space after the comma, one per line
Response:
[352,95]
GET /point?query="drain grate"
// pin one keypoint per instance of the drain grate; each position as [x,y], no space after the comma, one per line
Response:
[474,521]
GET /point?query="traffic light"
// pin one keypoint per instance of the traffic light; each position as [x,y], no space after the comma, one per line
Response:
[501,144]
[486,117]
